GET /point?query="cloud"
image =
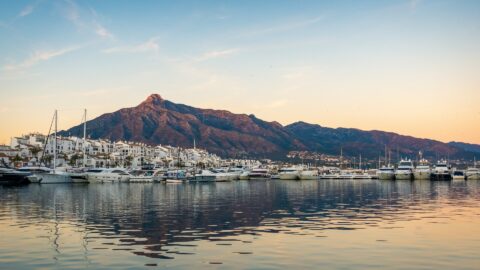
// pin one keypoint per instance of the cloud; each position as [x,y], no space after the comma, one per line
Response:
[148,46]
[26,10]
[285,27]
[85,19]
[39,56]
[216,54]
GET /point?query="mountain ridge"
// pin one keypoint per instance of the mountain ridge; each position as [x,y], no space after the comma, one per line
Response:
[160,121]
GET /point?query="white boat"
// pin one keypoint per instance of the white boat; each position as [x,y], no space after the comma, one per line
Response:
[36,173]
[309,175]
[259,173]
[386,173]
[205,176]
[441,171]
[141,176]
[404,170]
[244,175]
[290,173]
[56,177]
[472,173]
[422,171]
[458,175]
[102,175]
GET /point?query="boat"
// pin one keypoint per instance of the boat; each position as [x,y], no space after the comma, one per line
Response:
[290,173]
[205,176]
[473,173]
[422,171]
[141,176]
[35,172]
[386,173]
[441,171]
[404,170]
[103,175]
[309,175]
[177,175]
[259,173]
[11,177]
[244,175]
[458,175]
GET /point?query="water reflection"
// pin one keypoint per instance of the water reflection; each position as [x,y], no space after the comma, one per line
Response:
[170,221]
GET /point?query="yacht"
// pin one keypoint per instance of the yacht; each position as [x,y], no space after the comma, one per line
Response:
[473,173]
[100,175]
[458,175]
[404,170]
[309,175]
[36,173]
[290,173]
[11,177]
[259,173]
[422,171]
[141,176]
[205,176]
[441,171]
[386,173]
[244,175]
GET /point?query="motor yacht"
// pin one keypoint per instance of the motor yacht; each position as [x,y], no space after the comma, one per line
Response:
[386,173]
[205,176]
[309,175]
[244,175]
[458,175]
[36,172]
[259,173]
[441,171]
[404,170]
[422,171]
[141,176]
[290,173]
[11,177]
[102,175]
[472,173]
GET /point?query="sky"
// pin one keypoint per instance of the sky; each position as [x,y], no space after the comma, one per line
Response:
[406,66]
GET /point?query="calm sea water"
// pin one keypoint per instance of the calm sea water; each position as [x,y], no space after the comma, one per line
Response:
[325,224]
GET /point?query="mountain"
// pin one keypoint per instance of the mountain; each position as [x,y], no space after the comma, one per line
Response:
[475,148]
[159,121]
[370,143]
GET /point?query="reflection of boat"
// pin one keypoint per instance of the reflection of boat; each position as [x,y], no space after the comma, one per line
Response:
[422,171]
[441,171]
[11,177]
[259,173]
[386,173]
[404,170]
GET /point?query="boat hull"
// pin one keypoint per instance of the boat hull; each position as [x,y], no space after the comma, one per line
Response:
[289,176]
[386,176]
[475,176]
[441,176]
[422,175]
[13,179]
[52,178]
[403,176]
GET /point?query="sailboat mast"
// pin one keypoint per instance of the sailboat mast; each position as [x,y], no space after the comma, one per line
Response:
[55,143]
[84,138]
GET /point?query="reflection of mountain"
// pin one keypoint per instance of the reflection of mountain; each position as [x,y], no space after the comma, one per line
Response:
[153,218]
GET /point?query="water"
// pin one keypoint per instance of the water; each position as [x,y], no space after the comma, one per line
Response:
[325,224]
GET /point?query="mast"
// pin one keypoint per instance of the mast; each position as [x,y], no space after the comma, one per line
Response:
[55,143]
[84,138]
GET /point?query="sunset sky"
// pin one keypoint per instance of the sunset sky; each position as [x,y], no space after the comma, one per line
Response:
[411,67]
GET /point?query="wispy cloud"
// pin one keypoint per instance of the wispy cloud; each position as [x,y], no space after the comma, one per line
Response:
[26,10]
[217,54]
[39,56]
[284,27]
[84,19]
[148,46]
